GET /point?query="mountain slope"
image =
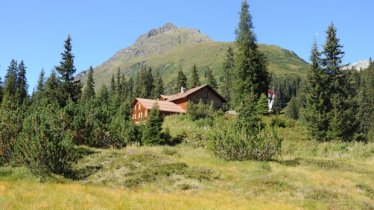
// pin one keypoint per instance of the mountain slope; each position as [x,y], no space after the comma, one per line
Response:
[169,48]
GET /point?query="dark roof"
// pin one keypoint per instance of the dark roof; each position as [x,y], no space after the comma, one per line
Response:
[189,92]
[164,106]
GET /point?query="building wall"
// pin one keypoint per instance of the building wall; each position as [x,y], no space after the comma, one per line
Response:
[182,103]
[207,96]
[139,112]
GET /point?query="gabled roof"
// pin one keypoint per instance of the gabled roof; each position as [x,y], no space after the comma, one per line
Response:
[189,92]
[164,106]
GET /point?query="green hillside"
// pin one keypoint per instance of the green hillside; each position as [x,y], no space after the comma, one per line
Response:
[204,55]
[169,48]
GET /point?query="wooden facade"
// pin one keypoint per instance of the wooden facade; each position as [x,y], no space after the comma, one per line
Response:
[177,103]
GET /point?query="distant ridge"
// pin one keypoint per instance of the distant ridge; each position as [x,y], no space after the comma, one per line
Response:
[359,65]
[169,48]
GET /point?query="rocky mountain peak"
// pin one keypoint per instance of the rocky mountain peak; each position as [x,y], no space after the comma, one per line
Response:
[155,32]
[161,40]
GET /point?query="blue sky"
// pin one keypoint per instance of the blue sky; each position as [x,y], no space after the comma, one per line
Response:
[34,30]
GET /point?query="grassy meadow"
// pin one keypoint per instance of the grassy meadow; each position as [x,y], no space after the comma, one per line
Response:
[308,175]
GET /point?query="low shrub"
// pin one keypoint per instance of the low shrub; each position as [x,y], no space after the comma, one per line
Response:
[229,144]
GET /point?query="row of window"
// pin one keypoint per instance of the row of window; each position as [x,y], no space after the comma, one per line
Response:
[140,115]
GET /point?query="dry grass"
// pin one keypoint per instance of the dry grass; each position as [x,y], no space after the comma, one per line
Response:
[31,195]
[309,175]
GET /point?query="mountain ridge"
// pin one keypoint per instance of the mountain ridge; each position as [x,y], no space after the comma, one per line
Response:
[169,48]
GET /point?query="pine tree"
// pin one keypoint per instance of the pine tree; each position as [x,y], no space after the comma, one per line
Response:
[194,79]
[342,119]
[45,145]
[210,80]
[10,84]
[149,81]
[317,97]
[181,81]
[130,89]
[151,134]
[113,85]
[250,75]
[1,90]
[89,89]
[66,70]
[52,92]
[292,111]
[41,82]
[21,87]
[158,85]
[228,70]
[119,83]
[365,98]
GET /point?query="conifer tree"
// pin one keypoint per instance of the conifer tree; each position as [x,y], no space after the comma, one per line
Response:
[113,85]
[365,98]
[181,81]
[89,90]
[194,79]
[21,87]
[41,82]
[158,85]
[210,80]
[250,75]
[228,70]
[119,83]
[151,134]
[1,90]
[317,97]
[66,70]
[149,81]
[10,84]
[342,121]
[130,89]
[52,92]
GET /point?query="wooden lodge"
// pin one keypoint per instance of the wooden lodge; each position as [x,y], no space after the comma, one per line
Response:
[177,103]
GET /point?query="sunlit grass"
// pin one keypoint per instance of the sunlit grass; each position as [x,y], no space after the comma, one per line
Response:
[309,175]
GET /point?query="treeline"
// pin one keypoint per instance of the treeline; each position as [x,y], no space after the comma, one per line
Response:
[335,104]
[42,131]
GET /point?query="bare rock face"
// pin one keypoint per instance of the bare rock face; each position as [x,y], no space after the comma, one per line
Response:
[359,65]
[160,40]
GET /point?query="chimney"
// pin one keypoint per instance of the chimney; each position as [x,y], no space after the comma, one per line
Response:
[183,89]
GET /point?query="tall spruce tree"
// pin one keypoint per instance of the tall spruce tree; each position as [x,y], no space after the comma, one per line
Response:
[158,85]
[181,81]
[89,89]
[119,82]
[342,119]
[41,81]
[21,87]
[365,98]
[113,84]
[210,80]
[228,70]
[317,97]
[149,81]
[66,70]
[250,75]
[10,83]
[1,90]
[194,79]
[151,134]
[52,93]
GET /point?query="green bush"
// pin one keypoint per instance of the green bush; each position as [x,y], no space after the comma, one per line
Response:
[245,138]
[46,144]
[229,144]
[10,127]
[197,111]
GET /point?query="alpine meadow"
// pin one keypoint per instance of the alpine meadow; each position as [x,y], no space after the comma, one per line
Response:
[178,120]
